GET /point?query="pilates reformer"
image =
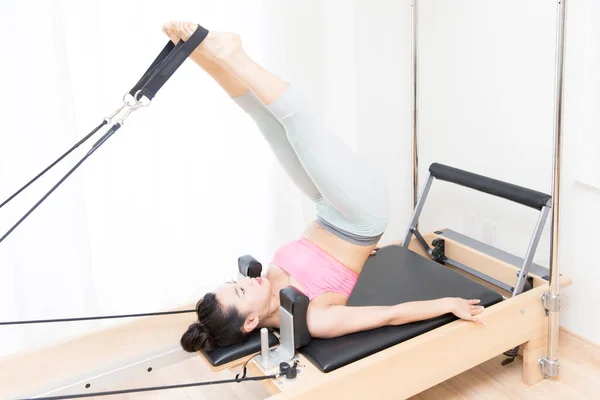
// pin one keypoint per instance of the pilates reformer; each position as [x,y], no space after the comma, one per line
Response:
[401,361]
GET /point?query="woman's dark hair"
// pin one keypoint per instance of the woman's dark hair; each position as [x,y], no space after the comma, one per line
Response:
[216,326]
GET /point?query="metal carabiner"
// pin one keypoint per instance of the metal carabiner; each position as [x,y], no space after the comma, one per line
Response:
[109,118]
[140,101]
[131,109]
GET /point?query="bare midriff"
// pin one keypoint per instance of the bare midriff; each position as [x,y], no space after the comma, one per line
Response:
[352,256]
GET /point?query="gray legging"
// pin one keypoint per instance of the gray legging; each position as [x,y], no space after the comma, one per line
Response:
[351,198]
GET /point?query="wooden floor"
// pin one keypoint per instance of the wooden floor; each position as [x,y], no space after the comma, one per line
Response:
[579,379]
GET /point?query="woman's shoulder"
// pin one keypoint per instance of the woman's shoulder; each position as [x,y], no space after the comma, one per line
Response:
[274,273]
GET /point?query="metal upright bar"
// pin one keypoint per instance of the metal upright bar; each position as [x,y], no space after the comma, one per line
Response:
[414,221]
[415,154]
[535,239]
[551,300]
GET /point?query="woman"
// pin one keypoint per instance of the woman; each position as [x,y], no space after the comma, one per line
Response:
[352,214]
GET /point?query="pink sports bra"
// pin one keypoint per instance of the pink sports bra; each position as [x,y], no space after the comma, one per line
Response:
[314,269]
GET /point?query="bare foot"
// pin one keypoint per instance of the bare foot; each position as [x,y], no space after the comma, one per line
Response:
[217,45]
[170,30]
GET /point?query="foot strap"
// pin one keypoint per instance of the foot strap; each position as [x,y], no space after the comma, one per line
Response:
[167,62]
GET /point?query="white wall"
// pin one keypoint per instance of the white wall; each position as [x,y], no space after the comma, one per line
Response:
[487,105]
[384,113]
[580,200]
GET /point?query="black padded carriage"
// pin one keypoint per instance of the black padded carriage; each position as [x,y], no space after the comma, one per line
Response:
[395,275]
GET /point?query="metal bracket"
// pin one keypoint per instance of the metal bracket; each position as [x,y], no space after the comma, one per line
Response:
[527,285]
[439,251]
[421,240]
[551,303]
[549,368]
[270,358]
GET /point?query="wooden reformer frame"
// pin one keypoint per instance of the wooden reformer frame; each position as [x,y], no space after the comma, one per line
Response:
[415,365]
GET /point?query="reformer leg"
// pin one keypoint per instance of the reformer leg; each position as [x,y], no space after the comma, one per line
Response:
[532,352]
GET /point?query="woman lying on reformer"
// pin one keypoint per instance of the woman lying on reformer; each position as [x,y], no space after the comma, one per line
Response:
[352,213]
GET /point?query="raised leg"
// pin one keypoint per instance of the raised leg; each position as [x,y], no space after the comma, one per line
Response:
[355,195]
[271,129]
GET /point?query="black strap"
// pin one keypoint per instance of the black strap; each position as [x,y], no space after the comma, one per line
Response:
[167,62]
[159,60]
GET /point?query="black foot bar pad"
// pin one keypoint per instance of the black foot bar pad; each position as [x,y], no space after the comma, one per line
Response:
[508,191]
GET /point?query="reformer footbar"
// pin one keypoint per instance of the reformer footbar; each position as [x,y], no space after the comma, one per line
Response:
[527,197]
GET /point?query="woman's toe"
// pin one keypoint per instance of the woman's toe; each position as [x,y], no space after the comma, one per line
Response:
[181,29]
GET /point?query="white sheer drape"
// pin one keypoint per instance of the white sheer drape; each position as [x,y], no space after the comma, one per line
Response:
[164,208]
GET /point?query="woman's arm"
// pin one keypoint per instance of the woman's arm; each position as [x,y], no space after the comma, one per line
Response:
[327,321]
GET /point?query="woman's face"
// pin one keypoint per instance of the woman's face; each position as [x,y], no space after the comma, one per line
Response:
[250,296]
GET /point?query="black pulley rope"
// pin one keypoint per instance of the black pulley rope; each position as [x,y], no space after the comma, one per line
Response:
[112,130]
[76,145]
[148,389]
[47,321]
[237,379]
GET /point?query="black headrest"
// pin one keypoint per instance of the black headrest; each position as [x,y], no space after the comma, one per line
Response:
[249,266]
[296,303]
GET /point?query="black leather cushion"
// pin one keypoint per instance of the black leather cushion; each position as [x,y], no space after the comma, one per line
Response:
[519,194]
[224,355]
[395,275]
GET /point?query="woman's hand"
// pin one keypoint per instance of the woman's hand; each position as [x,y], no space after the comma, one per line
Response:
[466,309]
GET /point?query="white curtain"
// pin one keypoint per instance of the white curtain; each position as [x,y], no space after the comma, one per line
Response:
[162,210]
